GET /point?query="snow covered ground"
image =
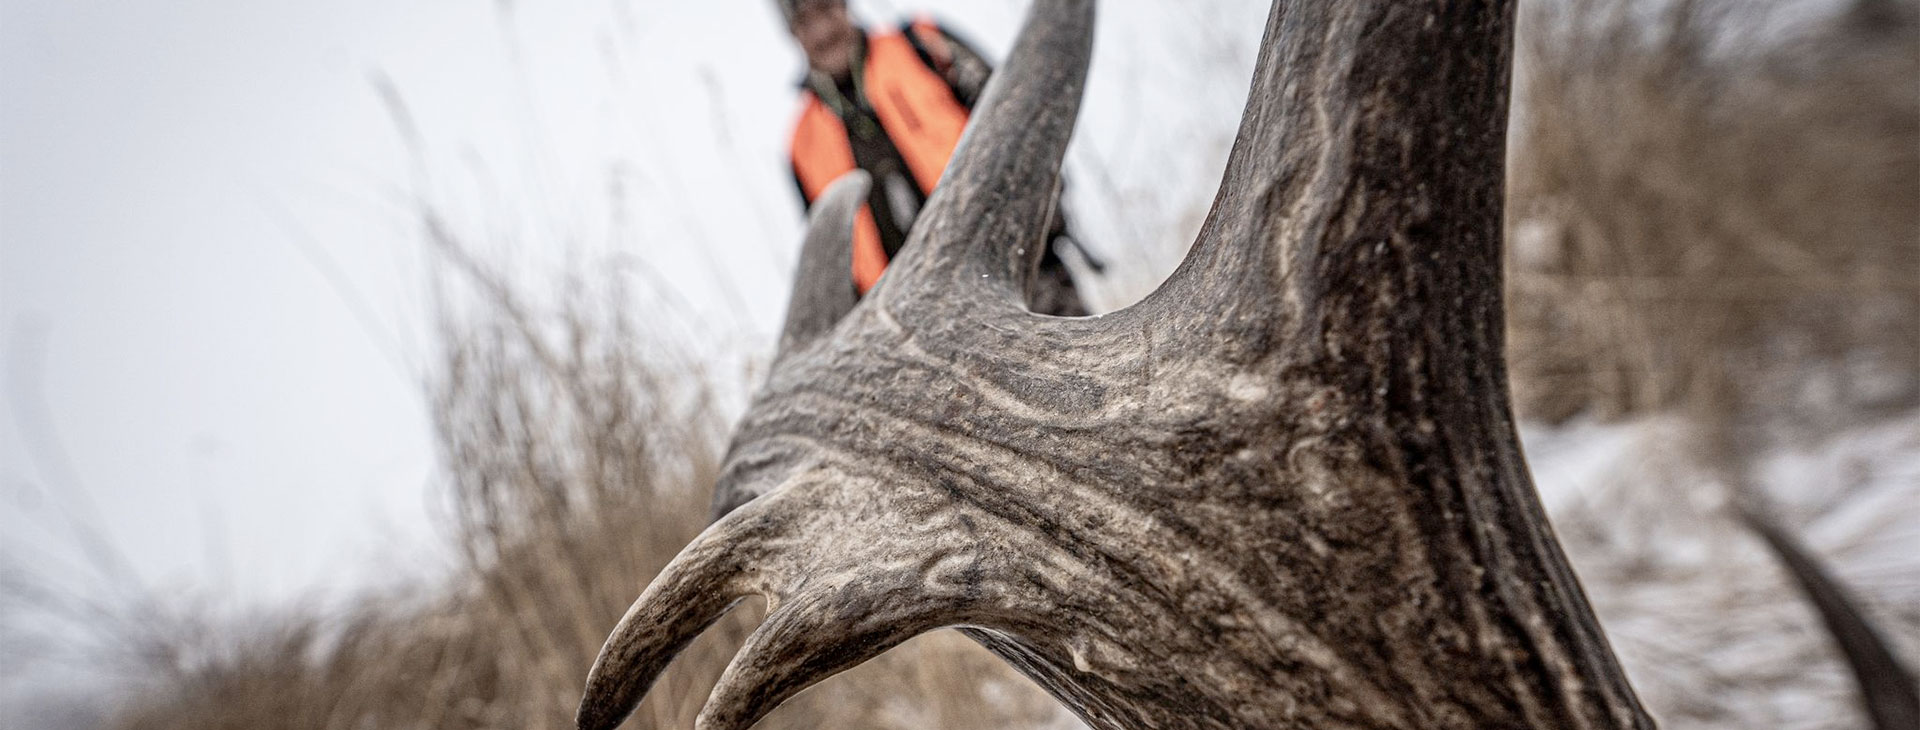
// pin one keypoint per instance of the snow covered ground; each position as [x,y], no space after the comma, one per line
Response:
[1712,631]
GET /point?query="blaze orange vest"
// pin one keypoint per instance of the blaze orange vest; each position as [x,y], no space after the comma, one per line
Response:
[919,113]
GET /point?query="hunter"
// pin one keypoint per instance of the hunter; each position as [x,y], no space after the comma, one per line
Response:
[893,102]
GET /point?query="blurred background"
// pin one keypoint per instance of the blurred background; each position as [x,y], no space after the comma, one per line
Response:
[364,360]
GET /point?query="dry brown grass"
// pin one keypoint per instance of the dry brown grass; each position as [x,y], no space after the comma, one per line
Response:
[1702,206]
[580,452]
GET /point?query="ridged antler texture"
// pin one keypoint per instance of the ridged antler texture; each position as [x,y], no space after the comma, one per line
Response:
[1282,492]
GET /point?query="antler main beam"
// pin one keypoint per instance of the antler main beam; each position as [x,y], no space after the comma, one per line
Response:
[1282,492]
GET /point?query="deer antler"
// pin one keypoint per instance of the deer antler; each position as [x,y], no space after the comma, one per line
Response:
[1283,491]
[821,292]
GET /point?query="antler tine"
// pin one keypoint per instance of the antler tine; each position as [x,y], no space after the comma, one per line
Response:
[706,579]
[1244,242]
[984,227]
[813,637]
[1371,129]
[822,289]
[834,601]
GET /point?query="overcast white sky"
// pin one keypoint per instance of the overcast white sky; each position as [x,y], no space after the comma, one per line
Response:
[211,305]
[206,260]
